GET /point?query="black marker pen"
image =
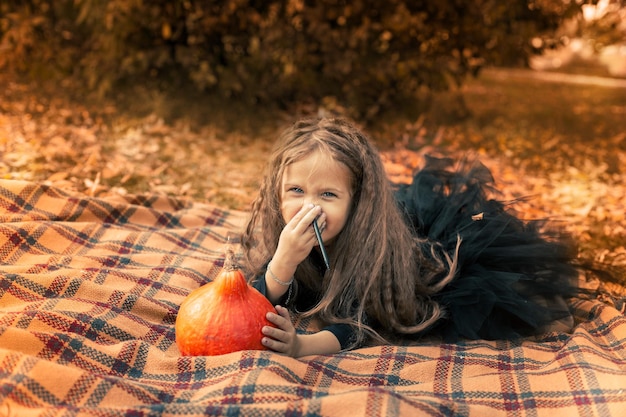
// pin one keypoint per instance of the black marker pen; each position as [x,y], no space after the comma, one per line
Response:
[318,234]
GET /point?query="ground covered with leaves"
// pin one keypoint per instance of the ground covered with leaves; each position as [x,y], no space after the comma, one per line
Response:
[557,148]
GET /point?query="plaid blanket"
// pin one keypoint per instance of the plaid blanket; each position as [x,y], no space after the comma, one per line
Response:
[89,290]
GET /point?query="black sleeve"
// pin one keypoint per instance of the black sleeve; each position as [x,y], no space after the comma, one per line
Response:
[260,285]
[344,333]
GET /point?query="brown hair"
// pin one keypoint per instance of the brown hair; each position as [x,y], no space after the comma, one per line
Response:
[382,273]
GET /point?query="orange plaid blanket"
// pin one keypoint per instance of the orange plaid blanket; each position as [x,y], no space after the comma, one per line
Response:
[89,290]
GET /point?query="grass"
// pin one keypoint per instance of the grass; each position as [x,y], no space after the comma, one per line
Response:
[528,121]
[528,106]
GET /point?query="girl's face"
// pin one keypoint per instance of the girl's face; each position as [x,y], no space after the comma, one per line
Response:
[320,180]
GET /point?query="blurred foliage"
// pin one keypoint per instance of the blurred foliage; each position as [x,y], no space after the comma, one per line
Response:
[608,25]
[364,57]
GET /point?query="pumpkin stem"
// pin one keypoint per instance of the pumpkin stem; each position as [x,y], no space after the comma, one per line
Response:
[230,264]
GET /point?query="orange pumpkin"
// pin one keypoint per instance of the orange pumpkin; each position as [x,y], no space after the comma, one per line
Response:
[223,316]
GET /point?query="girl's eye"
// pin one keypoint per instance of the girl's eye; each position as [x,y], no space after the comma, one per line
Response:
[295,190]
[328,194]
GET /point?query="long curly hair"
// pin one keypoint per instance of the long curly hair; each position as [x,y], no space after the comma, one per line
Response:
[383,274]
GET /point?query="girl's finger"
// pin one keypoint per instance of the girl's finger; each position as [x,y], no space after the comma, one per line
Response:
[284,313]
[275,338]
[273,332]
[297,218]
[307,220]
[321,222]
[279,319]
[274,345]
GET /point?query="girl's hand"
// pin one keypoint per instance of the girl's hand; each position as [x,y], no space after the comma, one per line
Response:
[298,237]
[282,339]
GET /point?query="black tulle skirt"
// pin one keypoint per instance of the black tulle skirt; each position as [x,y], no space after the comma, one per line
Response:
[513,275]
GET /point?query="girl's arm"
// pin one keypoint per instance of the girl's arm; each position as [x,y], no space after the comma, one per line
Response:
[278,278]
[320,343]
[284,338]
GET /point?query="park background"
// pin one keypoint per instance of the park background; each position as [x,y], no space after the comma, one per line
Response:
[186,98]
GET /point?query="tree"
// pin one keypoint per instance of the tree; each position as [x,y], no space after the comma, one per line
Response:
[367,56]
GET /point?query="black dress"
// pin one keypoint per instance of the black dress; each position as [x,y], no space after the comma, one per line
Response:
[512,276]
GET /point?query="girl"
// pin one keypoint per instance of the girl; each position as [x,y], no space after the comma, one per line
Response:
[434,257]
